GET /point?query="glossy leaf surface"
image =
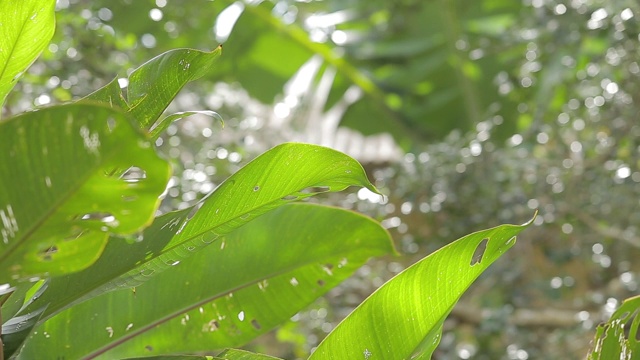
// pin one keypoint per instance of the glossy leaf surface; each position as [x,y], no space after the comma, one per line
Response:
[403,318]
[224,295]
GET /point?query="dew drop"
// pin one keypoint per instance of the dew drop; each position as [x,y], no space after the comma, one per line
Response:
[241,316]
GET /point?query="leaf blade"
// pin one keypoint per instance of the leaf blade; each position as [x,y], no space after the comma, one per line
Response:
[210,287]
[71,158]
[385,327]
[27,27]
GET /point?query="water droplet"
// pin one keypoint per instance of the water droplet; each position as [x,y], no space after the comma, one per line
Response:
[109,330]
[191,248]
[256,188]
[128,327]
[173,263]
[241,316]
[223,243]
[367,354]
[294,281]
[245,216]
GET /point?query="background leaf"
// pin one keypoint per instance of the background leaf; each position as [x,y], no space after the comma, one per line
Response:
[25,30]
[403,318]
[91,172]
[259,276]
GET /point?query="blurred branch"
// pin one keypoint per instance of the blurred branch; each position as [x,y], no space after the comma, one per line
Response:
[553,318]
[608,231]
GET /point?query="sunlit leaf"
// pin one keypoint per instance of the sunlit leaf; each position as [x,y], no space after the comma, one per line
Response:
[277,177]
[26,26]
[403,318]
[91,172]
[224,295]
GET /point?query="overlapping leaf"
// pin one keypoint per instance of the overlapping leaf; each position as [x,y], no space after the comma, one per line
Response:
[224,295]
[71,175]
[275,178]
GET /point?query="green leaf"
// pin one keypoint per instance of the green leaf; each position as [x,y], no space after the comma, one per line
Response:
[153,85]
[26,27]
[276,177]
[403,318]
[612,340]
[92,174]
[256,278]
[163,124]
[235,354]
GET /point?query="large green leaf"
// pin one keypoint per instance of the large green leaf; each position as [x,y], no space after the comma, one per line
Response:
[275,178]
[71,175]
[257,277]
[26,27]
[403,318]
[153,85]
[619,338]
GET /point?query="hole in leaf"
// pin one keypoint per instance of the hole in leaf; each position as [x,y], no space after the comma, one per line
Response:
[256,188]
[148,348]
[256,324]
[133,175]
[111,124]
[479,253]
[100,216]
[47,255]
[290,198]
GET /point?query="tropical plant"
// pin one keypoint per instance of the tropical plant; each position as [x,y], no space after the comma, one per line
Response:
[88,271]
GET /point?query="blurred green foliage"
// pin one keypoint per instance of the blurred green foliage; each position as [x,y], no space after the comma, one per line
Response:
[502,107]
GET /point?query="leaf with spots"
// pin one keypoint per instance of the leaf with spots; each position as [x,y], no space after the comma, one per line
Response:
[409,310]
[71,175]
[251,280]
